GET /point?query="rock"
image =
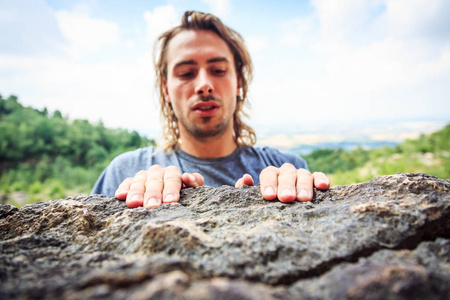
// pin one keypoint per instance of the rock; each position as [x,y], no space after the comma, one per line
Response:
[388,238]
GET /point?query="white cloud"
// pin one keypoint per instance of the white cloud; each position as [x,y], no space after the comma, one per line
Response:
[159,20]
[119,93]
[390,57]
[345,60]
[344,18]
[413,18]
[86,34]
[117,88]
[358,59]
[257,43]
[296,31]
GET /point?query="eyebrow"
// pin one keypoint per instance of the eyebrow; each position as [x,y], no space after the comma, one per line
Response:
[209,61]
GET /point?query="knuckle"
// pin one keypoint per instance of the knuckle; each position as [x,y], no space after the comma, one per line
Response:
[136,187]
[173,178]
[153,181]
[288,168]
[303,172]
[155,168]
[172,169]
[270,169]
[152,192]
[139,175]
[287,165]
[126,182]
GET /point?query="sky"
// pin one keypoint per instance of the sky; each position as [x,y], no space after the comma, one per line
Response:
[318,63]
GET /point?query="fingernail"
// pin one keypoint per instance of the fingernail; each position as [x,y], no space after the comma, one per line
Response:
[323,181]
[119,193]
[269,191]
[191,178]
[136,197]
[287,192]
[303,194]
[152,202]
[169,198]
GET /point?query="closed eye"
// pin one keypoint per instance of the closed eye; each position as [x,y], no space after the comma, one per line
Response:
[218,72]
[186,75]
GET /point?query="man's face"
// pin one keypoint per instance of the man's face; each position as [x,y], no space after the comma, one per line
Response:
[201,83]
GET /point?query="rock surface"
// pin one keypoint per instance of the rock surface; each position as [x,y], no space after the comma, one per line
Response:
[388,238]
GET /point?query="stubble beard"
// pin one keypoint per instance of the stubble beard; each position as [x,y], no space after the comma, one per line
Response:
[205,129]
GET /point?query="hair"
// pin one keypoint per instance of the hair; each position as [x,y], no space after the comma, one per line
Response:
[194,20]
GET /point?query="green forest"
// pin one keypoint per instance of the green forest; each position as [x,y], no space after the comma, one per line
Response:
[428,154]
[47,156]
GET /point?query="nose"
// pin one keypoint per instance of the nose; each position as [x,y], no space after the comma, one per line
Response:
[204,85]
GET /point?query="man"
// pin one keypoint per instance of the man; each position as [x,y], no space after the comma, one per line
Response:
[203,70]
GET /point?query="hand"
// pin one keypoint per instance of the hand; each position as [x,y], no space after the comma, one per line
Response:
[156,185]
[287,183]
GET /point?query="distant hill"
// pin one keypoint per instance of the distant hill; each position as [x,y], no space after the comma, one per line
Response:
[427,154]
[48,155]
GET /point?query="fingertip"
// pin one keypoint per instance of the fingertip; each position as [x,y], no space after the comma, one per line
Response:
[199,178]
[322,184]
[304,196]
[269,193]
[152,203]
[169,198]
[238,183]
[192,180]
[247,179]
[121,195]
[286,196]
[135,200]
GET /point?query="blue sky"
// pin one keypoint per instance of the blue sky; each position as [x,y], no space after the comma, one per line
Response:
[317,63]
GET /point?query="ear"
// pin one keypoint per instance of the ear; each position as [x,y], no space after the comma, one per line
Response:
[166,91]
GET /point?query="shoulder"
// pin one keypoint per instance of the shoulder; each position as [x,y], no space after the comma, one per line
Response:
[137,156]
[143,158]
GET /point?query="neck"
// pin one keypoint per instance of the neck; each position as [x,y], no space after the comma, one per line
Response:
[210,147]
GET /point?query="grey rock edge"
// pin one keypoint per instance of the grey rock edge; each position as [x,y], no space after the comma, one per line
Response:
[388,238]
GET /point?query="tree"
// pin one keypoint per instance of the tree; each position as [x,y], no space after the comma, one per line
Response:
[57,114]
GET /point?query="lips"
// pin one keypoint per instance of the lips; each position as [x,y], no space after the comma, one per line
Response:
[205,109]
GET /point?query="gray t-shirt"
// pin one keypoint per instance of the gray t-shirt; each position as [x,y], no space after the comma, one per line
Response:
[216,171]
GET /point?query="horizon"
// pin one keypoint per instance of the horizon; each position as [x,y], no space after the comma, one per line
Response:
[318,64]
[304,139]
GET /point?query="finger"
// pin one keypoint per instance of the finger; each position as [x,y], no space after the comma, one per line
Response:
[172,184]
[154,186]
[321,181]
[192,179]
[286,183]
[269,182]
[247,179]
[135,196]
[304,185]
[122,191]
[239,183]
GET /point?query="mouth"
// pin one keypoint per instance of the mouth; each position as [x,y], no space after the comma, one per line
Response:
[205,108]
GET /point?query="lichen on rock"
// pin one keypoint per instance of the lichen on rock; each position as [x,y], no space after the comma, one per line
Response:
[386,238]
